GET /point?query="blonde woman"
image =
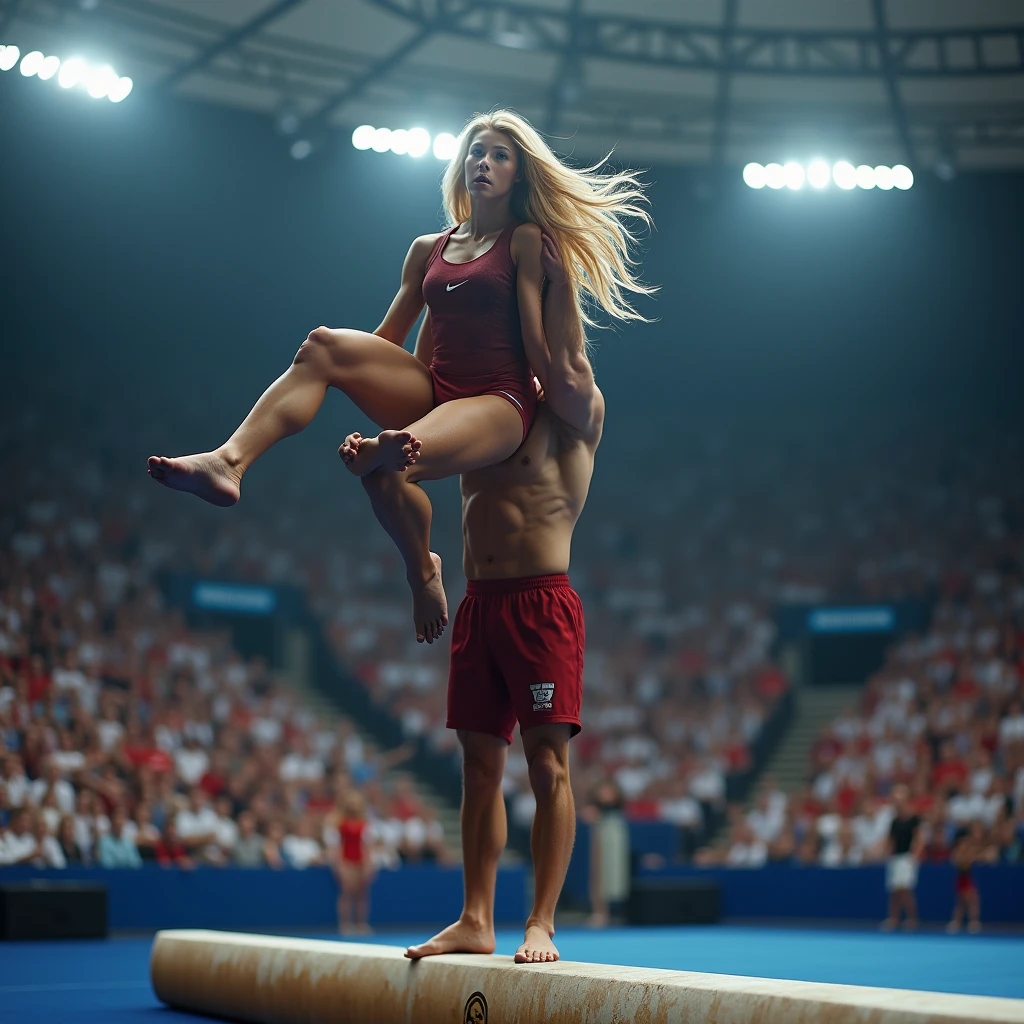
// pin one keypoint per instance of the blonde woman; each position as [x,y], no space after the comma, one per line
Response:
[354,866]
[466,398]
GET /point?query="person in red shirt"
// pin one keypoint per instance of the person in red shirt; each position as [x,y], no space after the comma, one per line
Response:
[950,772]
[354,867]
[170,851]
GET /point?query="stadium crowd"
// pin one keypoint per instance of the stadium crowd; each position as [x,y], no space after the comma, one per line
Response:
[119,728]
[125,738]
[944,717]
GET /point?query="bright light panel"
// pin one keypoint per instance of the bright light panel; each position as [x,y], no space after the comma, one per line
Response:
[71,73]
[866,176]
[795,175]
[418,142]
[444,146]
[753,175]
[902,177]
[99,81]
[120,89]
[31,63]
[883,178]
[9,56]
[775,176]
[819,174]
[49,67]
[362,137]
[844,174]
[381,140]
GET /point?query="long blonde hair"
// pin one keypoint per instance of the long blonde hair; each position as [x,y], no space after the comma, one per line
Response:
[581,208]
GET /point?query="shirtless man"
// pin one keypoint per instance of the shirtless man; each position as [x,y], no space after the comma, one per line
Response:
[517,639]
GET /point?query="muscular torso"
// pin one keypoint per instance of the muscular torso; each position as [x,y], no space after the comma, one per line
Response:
[518,516]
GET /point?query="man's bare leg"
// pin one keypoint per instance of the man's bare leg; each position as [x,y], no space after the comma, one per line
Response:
[554,829]
[403,509]
[484,832]
[387,383]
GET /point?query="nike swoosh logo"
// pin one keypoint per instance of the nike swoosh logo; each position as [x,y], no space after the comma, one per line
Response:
[452,287]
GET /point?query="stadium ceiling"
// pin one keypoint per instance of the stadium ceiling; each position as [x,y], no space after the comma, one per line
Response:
[932,83]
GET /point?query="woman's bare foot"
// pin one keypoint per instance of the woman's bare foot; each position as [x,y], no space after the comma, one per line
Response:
[537,947]
[394,450]
[430,605]
[209,476]
[461,937]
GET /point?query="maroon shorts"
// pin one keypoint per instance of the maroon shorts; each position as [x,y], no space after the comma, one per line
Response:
[517,654]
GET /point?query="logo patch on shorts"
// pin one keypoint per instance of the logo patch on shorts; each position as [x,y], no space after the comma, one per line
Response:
[543,693]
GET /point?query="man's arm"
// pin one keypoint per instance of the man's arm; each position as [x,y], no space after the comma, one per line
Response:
[569,386]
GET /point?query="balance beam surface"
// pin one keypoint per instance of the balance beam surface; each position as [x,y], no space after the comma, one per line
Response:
[273,980]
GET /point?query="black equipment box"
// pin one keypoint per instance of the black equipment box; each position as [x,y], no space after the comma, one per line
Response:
[53,910]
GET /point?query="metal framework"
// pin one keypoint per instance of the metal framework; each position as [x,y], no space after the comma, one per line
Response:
[325,77]
[228,42]
[906,53]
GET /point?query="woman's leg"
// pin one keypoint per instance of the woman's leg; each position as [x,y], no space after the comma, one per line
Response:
[454,438]
[387,383]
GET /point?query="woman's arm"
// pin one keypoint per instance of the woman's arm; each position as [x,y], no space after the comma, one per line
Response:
[408,303]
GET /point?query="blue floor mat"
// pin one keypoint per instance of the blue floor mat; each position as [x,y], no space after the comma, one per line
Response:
[107,982]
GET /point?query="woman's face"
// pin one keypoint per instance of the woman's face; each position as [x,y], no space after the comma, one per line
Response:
[492,165]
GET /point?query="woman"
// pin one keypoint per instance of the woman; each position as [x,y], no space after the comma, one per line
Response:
[354,867]
[466,398]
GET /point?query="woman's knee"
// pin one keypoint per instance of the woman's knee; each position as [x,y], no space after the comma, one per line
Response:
[324,345]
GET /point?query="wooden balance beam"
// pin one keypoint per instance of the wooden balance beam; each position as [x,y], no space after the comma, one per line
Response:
[272,980]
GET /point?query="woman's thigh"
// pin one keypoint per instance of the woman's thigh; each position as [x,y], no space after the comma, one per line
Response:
[387,383]
[465,434]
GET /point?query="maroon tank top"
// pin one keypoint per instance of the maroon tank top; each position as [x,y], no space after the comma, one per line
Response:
[474,312]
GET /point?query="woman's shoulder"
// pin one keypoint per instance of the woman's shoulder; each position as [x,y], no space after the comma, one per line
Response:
[526,238]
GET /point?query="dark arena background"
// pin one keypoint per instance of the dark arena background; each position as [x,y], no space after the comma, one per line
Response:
[801,561]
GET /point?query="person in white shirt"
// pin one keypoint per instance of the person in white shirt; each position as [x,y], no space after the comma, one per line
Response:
[16,782]
[89,825]
[191,762]
[19,846]
[197,824]
[300,848]
[746,850]
[52,780]
[301,765]
[226,832]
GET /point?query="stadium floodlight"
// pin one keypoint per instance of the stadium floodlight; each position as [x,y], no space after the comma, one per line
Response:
[795,175]
[844,174]
[775,176]
[381,140]
[71,73]
[120,89]
[99,81]
[444,146]
[31,63]
[819,174]
[399,141]
[883,178]
[418,142]
[902,177]
[753,175]
[9,56]
[300,149]
[49,67]
[362,137]
[866,176]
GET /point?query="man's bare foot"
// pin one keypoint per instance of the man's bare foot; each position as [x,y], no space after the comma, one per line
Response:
[394,450]
[537,947]
[209,476]
[461,937]
[430,605]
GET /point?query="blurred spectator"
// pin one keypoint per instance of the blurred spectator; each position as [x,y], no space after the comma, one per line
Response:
[610,868]
[249,848]
[117,849]
[301,848]
[48,851]
[19,844]
[171,851]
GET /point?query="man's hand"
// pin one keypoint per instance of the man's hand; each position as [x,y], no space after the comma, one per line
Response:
[551,260]
[350,448]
